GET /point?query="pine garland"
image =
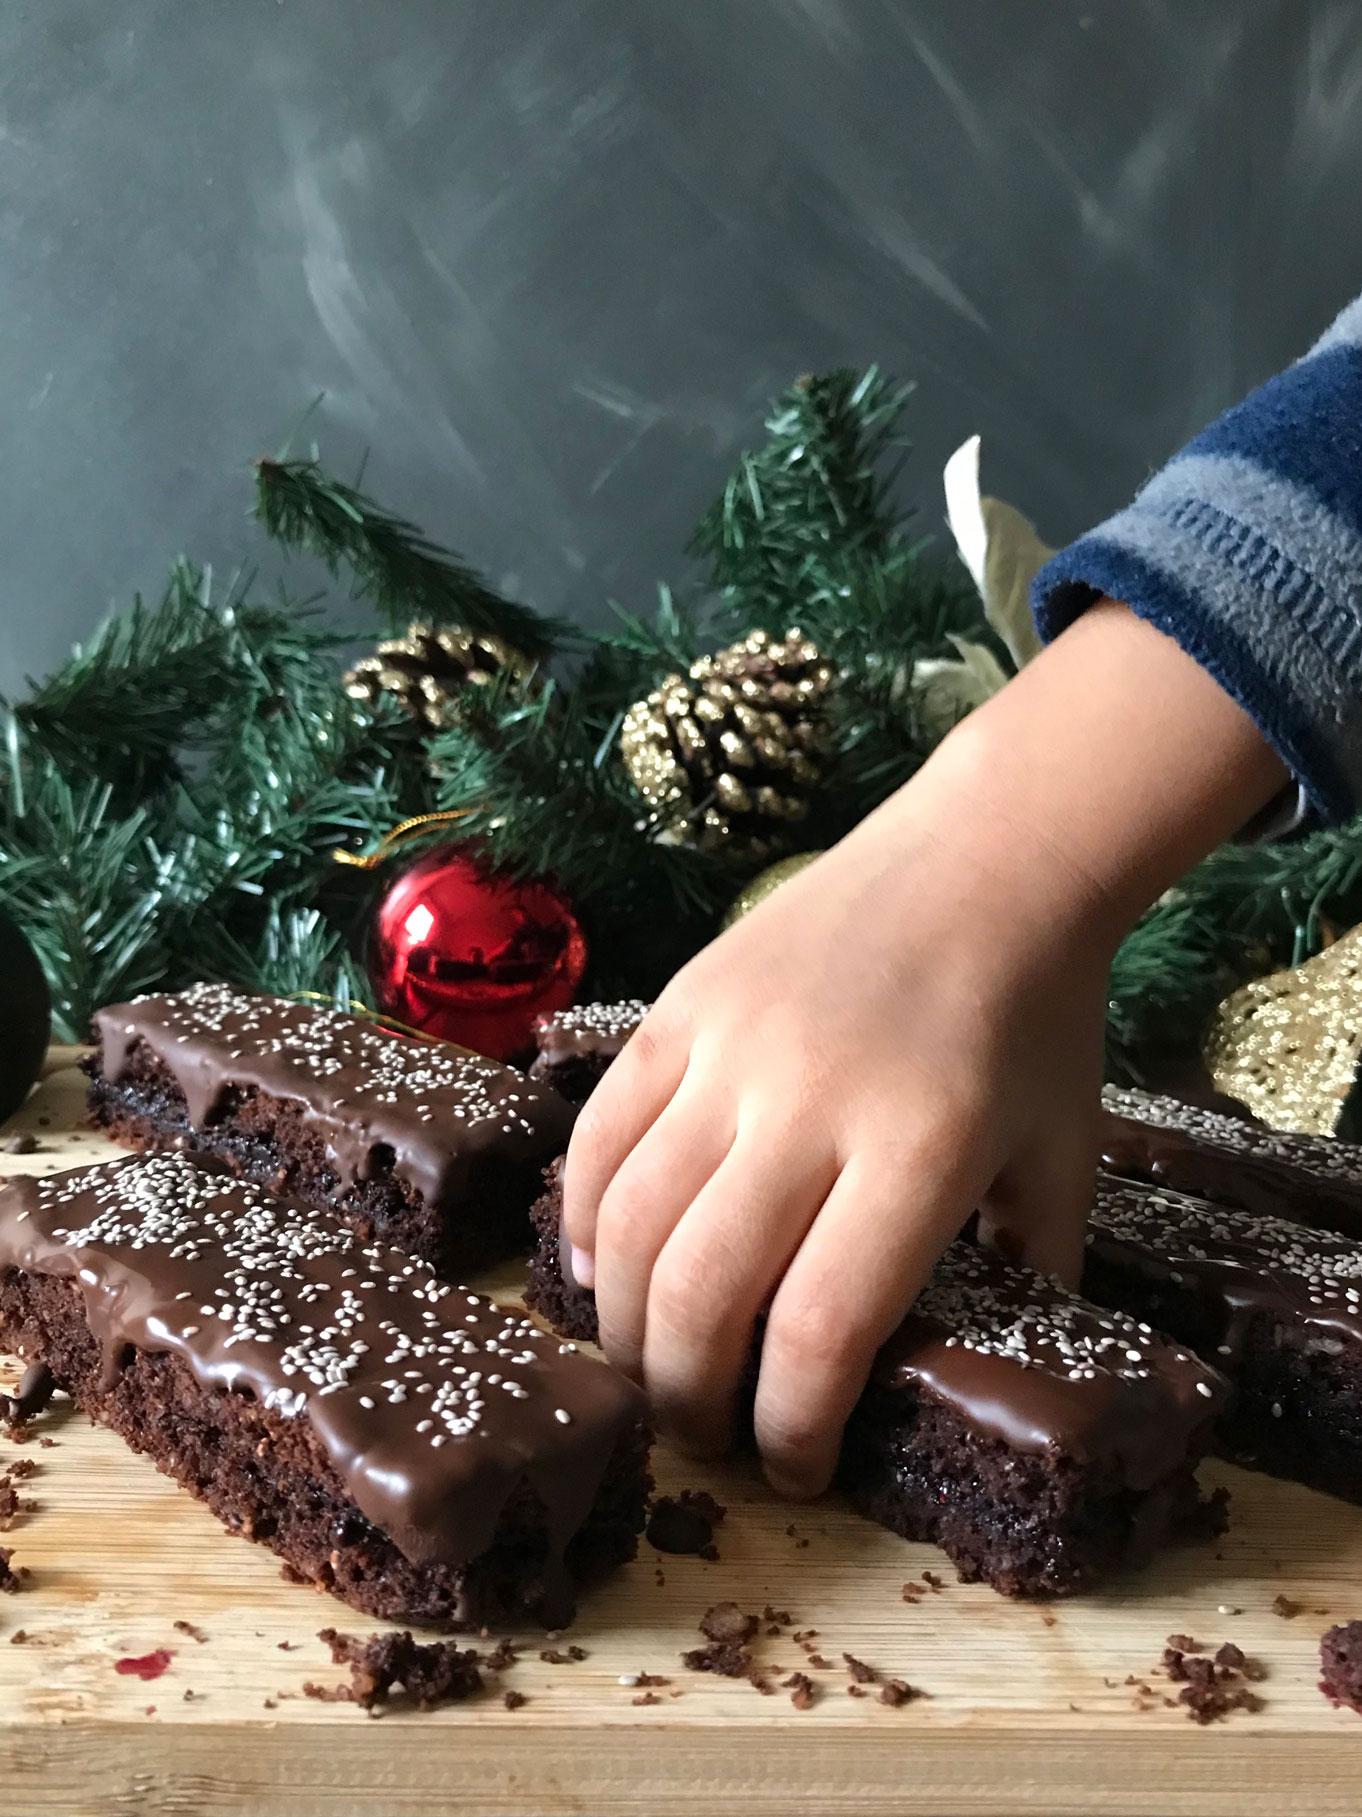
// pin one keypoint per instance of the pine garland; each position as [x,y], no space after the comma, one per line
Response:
[171,798]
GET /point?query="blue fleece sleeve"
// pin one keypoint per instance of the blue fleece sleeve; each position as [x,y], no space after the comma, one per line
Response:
[1247,550]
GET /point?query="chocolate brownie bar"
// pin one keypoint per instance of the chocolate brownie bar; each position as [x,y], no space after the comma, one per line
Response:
[420,1145]
[1275,1304]
[1038,1439]
[1313,1179]
[577,1045]
[1340,1665]
[407,1445]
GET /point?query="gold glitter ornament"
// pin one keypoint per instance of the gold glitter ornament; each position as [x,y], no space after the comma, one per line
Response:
[426,669]
[1287,1046]
[766,882]
[727,754]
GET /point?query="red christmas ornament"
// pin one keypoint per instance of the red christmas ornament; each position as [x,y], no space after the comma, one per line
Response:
[460,952]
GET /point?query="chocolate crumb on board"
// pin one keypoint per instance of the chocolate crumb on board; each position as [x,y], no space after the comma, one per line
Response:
[1286,1606]
[21,1469]
[552,1657]
[1214,1686]
[19,1637]
[729,1659]
[9,1503]
[502,1657]
[431,1674]
[897,1691]
[646,1697]
[819,1663]
[855,1690]
[780,1617]
[194,1633]
[515,1700]
[1340,1665]
[685,1524]
[10,1578]
[859,1670]
[801,1688]
[725,1621]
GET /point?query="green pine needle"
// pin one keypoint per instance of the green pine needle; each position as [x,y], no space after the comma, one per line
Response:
[409,578]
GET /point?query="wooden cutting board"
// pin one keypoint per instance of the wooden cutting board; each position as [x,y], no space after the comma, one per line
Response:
[1028,1710]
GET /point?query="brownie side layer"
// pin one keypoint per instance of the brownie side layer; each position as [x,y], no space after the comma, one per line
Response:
[270,1140]
[268,1478]
[1031,1524]
[571,1310]
[1340,1665]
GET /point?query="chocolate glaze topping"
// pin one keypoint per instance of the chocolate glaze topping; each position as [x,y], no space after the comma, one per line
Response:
[588,1030]
[1246,1264]
[432,1403]
[437,1108]
[1314,1179]
[1029,1362]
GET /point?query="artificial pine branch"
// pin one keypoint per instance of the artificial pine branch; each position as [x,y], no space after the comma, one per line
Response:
[407,576]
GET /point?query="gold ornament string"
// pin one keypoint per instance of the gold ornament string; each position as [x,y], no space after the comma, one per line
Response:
[404,830]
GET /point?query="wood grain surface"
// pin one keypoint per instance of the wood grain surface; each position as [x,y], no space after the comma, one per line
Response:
[1028,1709]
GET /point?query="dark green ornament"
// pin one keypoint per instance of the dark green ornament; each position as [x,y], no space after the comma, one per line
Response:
[25,1016]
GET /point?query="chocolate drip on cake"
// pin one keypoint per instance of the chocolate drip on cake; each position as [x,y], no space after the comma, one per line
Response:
[421,1144]
[435,1412]
[1313,1179]
[1276,1304]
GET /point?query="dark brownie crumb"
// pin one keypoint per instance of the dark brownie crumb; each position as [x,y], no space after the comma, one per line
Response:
[801,1688]
[725,1621]
[21,1469]
[10,1579]
[781,1617]
[194,1633]
[287,1646]
[646,1697]
[433,1674]
[685,1523]
[552,1657]
[855,1690]
[897,1691]
[932,1581]
[726,1657]
[1212,1687]
[19,1637]
[515,1700]
[9,1503]
[819,1663]
[859,1670]
[502,1657]
[1287,1607]
[653,1678]
[1340,1665]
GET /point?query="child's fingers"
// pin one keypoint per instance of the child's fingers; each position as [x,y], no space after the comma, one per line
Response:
[719,1266]
[859,1269]
[642,1204]
[624,1106]
[1036,1212]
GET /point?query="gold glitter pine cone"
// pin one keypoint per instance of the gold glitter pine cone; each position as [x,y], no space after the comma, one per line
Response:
[426,669]
[727,755]
[1288,1045]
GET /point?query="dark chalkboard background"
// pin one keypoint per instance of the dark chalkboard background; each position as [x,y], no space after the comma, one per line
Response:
[547,259]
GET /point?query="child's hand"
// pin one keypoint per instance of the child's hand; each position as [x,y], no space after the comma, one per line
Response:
[908,1030]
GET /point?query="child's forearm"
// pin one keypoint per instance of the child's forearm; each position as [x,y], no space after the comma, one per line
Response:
[1113,759]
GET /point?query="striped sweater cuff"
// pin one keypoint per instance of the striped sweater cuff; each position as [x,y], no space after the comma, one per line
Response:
[1247,550]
